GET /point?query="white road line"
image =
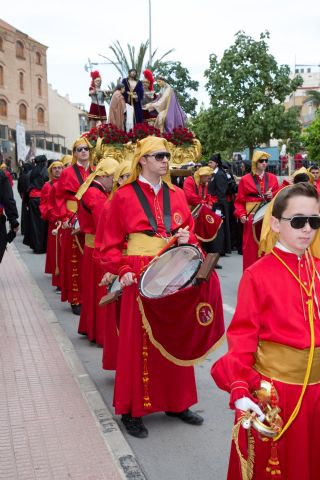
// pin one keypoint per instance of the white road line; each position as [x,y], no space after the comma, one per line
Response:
[228,308]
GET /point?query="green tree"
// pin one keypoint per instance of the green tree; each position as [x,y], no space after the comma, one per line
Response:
[247,89]
[179,78]
[311,139]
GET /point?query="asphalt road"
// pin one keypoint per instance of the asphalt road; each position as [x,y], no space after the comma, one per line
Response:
[173,450]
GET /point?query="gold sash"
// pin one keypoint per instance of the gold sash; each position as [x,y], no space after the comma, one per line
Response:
[252,207]
[286,364]
[89,240]
[141,244]
[72,206]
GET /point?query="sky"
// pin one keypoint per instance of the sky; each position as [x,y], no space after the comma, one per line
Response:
[75,30]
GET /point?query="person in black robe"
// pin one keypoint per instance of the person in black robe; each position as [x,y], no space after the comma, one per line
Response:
[8,211]
[36,229]
[23,186]
[218,187]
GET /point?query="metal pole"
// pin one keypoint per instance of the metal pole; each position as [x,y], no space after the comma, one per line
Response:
[150,54]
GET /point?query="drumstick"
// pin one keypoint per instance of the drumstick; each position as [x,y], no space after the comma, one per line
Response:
[166,247]
[55,230]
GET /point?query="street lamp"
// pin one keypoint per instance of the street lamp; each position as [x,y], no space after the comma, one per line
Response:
[150,54]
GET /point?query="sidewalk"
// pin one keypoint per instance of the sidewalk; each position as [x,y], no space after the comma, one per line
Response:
[53,422]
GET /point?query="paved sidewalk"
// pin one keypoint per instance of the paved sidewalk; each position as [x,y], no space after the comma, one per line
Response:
[53,422]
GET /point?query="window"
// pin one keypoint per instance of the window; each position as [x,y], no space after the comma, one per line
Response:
[3,108]
[1,44]
[40,115]
[19,49]
[38,58]
[22,112]
[39,87]
[1,75]
[21,81]
[309,70]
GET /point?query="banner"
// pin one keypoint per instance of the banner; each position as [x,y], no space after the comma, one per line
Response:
[185,326]
[22,149]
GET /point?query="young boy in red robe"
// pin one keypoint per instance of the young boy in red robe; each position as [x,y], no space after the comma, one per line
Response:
[274,338]
[254,188]
[52,254]
[92,195]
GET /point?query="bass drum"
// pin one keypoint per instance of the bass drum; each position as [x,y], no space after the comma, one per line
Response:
[175,269]
[260,213]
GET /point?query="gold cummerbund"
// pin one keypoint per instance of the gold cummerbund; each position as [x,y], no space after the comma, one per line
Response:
[72,206]
[141,244]
[89,240]
[251,207]
[286,364]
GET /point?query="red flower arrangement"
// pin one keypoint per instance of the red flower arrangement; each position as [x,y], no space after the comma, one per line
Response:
[143,130]
[110,134]
[180,136]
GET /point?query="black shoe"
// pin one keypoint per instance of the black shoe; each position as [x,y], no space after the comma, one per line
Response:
[134,426]
[218,267]
[58,290]
[76,308]
[187,416]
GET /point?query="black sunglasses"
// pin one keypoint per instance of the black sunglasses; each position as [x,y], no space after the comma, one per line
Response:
[81,149]
[263,160]
[160,156]
[299,221]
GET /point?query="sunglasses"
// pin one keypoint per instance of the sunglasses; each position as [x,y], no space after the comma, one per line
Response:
[263,160]
[82,149]
[300,221]
[160,156]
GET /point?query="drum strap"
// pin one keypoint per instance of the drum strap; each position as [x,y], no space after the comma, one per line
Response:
[266,183]
[98,187]
[147,210]
[78,174]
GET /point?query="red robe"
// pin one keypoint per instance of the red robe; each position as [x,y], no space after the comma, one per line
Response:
[170,387]
[92,317]
[274,310]
[248,193]
[317,185]
[53,247]
[71,245]
[112,310]
[196,194]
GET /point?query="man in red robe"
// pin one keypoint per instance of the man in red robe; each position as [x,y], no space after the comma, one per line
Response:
[52,262]
[146,381]
[254,188]
[274,337]
[66,206]
[92,195]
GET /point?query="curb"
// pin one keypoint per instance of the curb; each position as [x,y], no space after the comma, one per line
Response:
[121,452]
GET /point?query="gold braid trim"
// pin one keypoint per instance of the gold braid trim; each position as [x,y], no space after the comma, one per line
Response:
[246,465]
[209,239]
[164,352]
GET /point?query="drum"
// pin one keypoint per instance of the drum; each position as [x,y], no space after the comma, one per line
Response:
[175,269]
[260,213]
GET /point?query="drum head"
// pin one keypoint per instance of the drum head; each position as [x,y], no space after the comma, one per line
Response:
[172,271]
[260,213]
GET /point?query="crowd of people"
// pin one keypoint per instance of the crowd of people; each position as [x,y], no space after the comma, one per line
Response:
[125,244]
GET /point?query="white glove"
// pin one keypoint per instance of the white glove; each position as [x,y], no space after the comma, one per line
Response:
[246,404]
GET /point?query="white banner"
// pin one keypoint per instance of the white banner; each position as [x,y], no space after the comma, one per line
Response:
[22,149]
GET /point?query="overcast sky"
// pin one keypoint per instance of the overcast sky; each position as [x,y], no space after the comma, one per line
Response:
[75,30]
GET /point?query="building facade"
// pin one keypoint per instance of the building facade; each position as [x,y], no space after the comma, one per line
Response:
[299,98]
[23,80]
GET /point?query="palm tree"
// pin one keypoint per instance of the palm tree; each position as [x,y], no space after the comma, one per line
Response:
[314,96]
[136,60]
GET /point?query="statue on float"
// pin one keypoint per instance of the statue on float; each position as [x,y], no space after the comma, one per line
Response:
[97,112]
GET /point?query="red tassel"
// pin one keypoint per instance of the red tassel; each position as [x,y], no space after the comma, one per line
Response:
[273,467]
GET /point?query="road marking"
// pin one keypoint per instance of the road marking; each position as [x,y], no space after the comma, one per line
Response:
[228,308]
